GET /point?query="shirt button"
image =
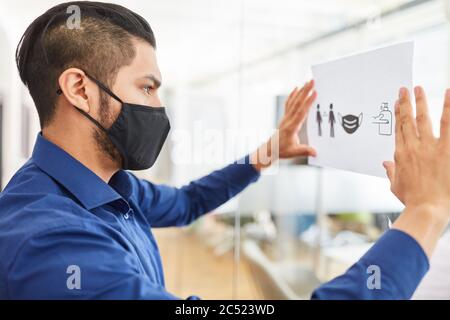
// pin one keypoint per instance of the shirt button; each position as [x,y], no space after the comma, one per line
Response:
[126,216]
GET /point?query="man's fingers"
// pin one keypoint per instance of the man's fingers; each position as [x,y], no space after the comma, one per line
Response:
[300,97]
[398,128]
[302,111]
[289,100]
[304,150]
[294,91]
[445,118]
[423,121]
[408,125]
[292,101]
[390,170]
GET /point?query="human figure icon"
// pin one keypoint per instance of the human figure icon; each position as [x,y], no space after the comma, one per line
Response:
[319,120]
[331,120]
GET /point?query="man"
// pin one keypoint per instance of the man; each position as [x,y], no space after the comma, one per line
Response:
[75,225]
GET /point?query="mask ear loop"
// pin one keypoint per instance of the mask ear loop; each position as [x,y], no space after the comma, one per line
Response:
[98,124]
[101,85]
[104,88]
[87,115]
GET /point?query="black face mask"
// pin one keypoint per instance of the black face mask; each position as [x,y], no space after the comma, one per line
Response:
[139,132]
[350,122]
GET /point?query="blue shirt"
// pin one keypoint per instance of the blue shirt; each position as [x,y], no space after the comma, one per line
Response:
[66,234]
[59,220]
[391,269]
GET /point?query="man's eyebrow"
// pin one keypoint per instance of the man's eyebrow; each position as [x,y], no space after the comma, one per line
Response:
[155,80]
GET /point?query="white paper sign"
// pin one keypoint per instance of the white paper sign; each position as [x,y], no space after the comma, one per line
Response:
[352,122]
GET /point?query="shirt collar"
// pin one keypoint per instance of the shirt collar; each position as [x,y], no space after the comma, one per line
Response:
[84,184]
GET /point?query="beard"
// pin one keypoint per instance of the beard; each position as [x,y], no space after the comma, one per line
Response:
[104,144]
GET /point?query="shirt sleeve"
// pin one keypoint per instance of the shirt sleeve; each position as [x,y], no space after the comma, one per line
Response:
[165,206]
[391,269]
[78,263]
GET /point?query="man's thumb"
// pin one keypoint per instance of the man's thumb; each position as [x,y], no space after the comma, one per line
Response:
[390,170]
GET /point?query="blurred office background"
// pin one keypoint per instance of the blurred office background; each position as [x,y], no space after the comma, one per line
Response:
[227,67]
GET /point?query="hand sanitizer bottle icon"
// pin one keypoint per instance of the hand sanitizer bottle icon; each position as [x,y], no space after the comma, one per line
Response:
[384,120]
[386,115]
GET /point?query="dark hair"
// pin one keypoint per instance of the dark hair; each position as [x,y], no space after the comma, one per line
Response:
[101,46]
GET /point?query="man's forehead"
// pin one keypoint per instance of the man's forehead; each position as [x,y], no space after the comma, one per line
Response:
[144,64]
[145,60]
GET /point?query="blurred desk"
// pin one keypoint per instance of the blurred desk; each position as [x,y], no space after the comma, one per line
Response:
[192,268]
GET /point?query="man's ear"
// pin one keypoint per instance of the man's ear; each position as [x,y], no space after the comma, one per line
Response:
[73,84]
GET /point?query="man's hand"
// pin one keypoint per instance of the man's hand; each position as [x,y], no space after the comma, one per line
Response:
[420,175]
[285,143]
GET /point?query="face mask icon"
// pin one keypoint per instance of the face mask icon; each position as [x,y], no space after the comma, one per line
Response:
[350,122]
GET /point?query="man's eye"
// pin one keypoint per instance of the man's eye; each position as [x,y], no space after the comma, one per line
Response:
[148,89]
